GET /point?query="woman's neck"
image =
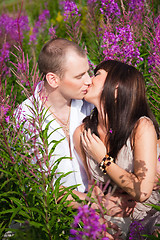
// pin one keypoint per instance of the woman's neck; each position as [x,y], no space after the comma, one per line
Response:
[101,128]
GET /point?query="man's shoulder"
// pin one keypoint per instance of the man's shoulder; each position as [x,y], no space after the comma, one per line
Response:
[25,109]
[26,104]
[32,100]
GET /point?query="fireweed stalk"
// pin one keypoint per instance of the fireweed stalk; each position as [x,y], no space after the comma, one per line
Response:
[9,35]
[90,222]
[27,193]
[110,9]
[119,43]
[93,25]
[118,39]
[115,36]
[137,10]
[39,26]
[87,226]
[72,20]
[152,40]
[154,57]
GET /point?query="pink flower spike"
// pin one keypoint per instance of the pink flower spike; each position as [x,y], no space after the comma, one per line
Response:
[7,119]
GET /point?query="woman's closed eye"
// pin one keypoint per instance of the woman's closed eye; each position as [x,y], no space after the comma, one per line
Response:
[97,73]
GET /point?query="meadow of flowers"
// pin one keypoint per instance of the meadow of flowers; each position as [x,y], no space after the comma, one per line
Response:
[108,29]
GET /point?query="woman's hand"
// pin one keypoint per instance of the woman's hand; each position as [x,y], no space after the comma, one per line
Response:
[119,204]
[93,146]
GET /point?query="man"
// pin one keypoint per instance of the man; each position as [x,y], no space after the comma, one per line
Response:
[64,68]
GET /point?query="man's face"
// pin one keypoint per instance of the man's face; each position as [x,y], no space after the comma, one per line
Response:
[75,82]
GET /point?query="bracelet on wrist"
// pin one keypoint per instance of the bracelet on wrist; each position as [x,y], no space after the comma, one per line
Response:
[106,162]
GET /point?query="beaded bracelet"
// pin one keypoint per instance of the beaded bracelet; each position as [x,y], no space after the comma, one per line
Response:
[106,162]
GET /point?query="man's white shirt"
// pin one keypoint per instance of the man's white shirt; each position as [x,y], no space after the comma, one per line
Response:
[79,110]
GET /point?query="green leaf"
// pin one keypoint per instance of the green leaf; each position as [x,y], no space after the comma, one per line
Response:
[24,213]
[15,211]
[150,237]
[7,172]
[8,193]
[154,206]
[16,201]
[7,211]
[55,143]
[2,228]
[35,224]
[55,165]
[54,131]
[33,209]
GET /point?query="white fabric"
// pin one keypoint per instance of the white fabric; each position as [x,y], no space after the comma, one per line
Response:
[122,223]
[79,110]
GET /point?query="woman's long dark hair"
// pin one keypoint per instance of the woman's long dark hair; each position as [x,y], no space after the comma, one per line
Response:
[124,111]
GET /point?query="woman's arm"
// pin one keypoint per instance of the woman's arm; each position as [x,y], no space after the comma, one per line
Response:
[119,205]
[140,183]
[79,148]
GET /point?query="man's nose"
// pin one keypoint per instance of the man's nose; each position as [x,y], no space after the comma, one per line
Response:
[88,79]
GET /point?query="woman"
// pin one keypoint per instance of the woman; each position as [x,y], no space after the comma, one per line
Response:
[118,141]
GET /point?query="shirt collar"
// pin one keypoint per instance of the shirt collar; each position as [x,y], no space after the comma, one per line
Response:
[77,103]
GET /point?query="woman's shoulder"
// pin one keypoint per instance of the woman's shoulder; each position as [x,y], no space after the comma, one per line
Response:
[144,123]
[77,133]
[144,120]
[144,128]
[79,129]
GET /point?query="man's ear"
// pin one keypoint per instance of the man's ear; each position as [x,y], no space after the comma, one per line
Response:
[52,79]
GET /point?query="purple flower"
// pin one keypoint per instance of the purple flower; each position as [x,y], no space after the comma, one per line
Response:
[4,109]
[39,26]
[11,31]
[7,119]
[4,52]
[70,9]
[88,218]
[110,9]
[154,58]
[52,32]
[136,229]
[136,5]
[136,11]
[13,28]
[119,43]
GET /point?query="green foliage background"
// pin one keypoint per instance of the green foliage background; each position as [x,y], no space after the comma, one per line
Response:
[89,38]
[21,199]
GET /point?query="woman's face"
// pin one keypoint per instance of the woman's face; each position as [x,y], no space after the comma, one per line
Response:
[94,91]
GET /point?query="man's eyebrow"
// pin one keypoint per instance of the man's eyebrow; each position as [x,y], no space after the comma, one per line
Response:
[80,75]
